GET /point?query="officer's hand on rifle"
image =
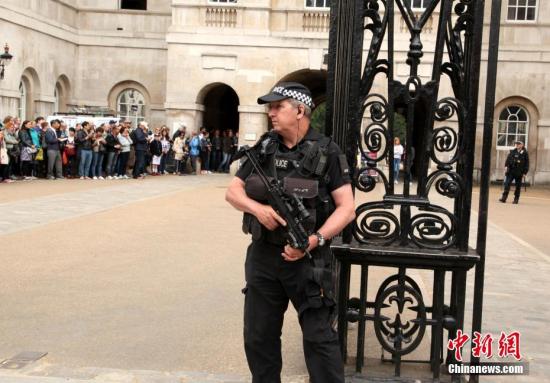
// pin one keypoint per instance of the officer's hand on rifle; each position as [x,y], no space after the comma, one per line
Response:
[291,254]
[269,217]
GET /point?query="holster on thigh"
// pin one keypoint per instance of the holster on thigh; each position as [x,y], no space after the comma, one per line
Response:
[319,305]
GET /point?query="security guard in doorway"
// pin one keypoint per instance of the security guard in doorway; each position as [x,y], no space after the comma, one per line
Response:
[311,166]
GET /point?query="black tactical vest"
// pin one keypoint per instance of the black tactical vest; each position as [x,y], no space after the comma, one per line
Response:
[300,171]
[516,162]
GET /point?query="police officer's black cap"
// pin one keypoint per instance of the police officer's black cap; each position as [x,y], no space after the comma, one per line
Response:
[284,90]
[518,142]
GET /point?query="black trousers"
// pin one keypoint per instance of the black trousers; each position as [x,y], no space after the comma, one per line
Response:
[14,168]
[205,161]
[508,182]
[270,283]
[4,172]
[139,165]
[122,163]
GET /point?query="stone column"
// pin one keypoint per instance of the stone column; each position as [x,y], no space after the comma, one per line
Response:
[252,124]
[189,114]
[43,106]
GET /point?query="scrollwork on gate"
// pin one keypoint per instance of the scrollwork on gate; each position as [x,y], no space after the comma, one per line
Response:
[416,221]
[395,331]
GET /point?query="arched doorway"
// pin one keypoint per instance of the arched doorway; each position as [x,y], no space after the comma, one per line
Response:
[220,118]
[29,89]
[316,81]
[61,94]
[221,107]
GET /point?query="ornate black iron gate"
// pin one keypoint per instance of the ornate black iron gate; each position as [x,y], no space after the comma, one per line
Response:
[423,223]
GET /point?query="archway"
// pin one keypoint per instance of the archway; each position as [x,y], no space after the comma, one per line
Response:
[29,90]
[221,107]
[62,93]
[316,82]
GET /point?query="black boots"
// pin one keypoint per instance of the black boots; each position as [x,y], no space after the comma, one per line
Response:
[505,195]
[503,198]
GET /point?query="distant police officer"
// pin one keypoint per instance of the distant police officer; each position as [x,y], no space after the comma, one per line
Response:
[311,166]
[517,166]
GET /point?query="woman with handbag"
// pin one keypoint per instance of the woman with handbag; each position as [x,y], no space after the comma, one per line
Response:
[28,150]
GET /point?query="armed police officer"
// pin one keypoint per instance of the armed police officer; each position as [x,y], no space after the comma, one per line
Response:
[310,166]
[517,166]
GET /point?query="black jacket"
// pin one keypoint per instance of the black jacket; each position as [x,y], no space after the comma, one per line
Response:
[140,139]
[25,139]
[517,162]
[155,147]
[216,143]
[110,142]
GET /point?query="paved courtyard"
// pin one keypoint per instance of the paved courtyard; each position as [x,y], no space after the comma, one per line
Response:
[139,281]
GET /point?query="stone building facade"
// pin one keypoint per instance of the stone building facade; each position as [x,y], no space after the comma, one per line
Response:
[204,63]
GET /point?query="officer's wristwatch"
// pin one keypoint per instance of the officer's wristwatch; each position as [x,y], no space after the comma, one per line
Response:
[320,239]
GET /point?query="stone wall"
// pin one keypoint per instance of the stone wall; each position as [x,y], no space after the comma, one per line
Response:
[179,50]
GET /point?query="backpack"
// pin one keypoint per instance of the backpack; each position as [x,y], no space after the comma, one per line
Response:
[194,146]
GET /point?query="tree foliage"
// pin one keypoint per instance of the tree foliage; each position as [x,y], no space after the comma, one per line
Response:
[400,127]
[318,118]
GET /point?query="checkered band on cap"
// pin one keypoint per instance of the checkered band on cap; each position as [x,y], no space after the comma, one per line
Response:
[295,94]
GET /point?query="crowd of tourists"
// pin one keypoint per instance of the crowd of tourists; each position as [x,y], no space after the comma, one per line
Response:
[37,148]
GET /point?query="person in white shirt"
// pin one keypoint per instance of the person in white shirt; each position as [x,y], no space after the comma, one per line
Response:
[397,153]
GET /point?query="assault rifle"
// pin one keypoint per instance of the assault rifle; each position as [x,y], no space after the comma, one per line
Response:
[289,207]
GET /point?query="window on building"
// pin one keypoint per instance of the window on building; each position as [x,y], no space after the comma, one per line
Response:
[140,5]
[513,125]
[317,3]
[420,4]
[131,106]
[522,10]
[22,110]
